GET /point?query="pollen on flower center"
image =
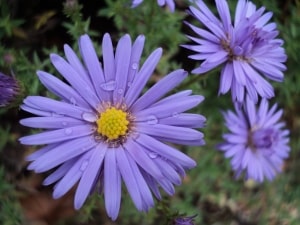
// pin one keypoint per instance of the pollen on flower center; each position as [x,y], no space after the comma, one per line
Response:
[113,123]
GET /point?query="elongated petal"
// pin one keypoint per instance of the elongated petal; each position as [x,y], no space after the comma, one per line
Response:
[142,77]
[159,89]
[49,137]
[129,178]
[90,174]
[112,184]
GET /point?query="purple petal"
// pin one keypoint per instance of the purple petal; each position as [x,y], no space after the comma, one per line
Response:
[136,52]
[129,178]
[62,153]
[60,89]
[226,78]
[90,175]
[142,77]
[122,60]
[161,130]
[72,176]
[112,184]
[159,89]
[79,84]
[51,122]
[142,185]
[185,120]
[165,151]
[54,107]
[142,159]
[49,137]
[93,65]
[169,108]
[108,58]
[60,172]
[77,65]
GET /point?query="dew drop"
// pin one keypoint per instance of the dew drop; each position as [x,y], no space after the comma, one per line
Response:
[68,131]
[175,114]
[109,86]
[84,165]
[135,135]
[53,114]
[120,91]
[89,117]
[64,123]
[134,66]
[152,120]
[129,84]
[153,155]
[73,101]
[238,50]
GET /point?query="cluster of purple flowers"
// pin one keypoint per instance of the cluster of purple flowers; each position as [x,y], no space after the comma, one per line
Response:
[103,130]
[248,51]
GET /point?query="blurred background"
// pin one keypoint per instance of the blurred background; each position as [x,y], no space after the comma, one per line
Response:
[30,30]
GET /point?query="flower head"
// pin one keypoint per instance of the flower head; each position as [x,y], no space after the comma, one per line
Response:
[9,89]
[185,220]
[247,49]
[103,130]
[169,3]
[257,142]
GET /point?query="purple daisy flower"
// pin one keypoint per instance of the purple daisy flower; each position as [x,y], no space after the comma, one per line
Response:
[169,3]
[248,48]
[103,131]
[9,89]
[257,142]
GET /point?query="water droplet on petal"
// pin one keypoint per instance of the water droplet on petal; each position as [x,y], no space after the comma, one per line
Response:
[64,123]
[238,50]
[120,91]
[153,155]
[89,117]
[129,84]
[109,86]
[54,114]
[134,66]
[175,114]
[73,101]
[135,135]
[152,120]
[68,131]
[84,165]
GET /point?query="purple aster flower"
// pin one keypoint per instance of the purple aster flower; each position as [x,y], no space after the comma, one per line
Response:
[169,3]
[257,142]
[185,220]
[9,89]
[247,49]
[103,130]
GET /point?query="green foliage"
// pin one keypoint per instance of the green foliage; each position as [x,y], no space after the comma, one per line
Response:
[77,25]
[10,212]
[160,27]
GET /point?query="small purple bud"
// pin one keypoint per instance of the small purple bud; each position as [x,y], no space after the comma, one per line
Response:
[9,89]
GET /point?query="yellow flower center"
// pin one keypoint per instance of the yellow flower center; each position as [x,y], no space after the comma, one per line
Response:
[113,123]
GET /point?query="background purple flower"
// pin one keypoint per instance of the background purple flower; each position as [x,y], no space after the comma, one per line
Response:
[185,220]
[247,49]
[9,89]
[102,131]
[257,142]
[169,3]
